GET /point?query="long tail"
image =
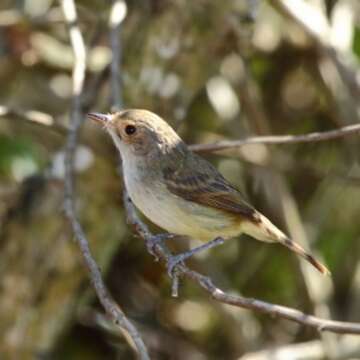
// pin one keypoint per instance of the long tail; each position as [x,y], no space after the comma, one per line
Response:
[263,229]
[293,246]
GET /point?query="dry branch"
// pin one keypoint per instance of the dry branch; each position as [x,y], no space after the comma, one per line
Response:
[117,15]
[279,139]
[111,307]
[35,117]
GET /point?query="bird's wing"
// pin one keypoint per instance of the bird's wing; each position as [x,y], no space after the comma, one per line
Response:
[200,182]
[197,180]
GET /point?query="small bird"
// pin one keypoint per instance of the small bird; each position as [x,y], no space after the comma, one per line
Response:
[180,191]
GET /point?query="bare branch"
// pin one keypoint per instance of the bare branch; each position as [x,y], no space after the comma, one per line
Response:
[111,307]
[117,15]
[36,117]
[280,139]
[253,304]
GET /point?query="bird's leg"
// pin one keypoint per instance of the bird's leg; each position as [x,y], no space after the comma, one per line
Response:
[174,260]
[152,241]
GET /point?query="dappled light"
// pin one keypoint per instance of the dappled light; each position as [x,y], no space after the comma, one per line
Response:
[267,92]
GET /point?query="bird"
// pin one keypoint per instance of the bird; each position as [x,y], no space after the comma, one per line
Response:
[180,191]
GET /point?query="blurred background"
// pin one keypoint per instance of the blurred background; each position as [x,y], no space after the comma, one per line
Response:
[214,70]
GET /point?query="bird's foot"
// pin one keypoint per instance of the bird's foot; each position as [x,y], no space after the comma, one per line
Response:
[174,260]
[157,240]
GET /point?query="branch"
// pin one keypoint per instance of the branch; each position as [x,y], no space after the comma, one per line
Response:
[111,307]
[35,117]
[279,139]
[162,253]
[117,15]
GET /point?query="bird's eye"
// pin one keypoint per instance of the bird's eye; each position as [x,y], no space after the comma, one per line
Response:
[130,129]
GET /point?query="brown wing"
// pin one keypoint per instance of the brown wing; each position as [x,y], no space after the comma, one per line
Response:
[197,180]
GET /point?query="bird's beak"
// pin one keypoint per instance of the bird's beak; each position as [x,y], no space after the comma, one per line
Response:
[103,119]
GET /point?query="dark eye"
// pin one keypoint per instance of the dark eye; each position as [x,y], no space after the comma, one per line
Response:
[130,129]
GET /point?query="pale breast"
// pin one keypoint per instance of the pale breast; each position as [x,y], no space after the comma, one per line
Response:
[175,214]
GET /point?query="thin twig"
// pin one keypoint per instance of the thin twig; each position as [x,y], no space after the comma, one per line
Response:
[111,307]
[35,117]
[206,284]
[279,139]
[117,15]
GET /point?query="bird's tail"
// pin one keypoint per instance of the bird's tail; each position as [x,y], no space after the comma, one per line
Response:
[263,229]
[293,246]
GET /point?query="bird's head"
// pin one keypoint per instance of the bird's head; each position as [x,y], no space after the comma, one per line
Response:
[138,132]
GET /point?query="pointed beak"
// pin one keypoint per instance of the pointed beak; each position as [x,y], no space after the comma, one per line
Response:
[103,119]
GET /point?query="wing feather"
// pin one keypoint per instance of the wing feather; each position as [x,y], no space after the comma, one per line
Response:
[200,182]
